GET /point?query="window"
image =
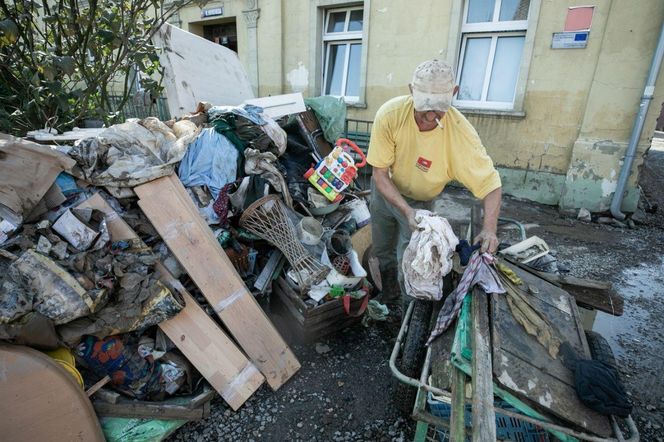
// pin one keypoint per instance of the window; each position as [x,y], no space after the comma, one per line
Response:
[493,37]
[342,52]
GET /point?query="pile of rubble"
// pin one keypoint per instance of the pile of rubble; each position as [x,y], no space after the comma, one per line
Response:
[141,255]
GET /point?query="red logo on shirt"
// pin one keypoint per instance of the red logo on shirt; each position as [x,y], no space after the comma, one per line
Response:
[423,164]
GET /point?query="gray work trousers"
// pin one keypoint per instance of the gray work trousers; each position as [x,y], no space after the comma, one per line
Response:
[390,231]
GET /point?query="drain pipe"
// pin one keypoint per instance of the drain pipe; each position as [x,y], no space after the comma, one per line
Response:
[630,154]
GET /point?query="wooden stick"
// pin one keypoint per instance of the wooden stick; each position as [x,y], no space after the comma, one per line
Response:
[92,390]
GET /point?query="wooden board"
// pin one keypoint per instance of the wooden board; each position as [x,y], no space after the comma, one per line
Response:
[152,410]
[170,209]
[484,417]
[41,401]
[524,367]
[195,334]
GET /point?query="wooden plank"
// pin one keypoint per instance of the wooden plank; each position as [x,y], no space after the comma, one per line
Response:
[484,417]
[172,213]
[524,367]
[457,417]
[107,395]
[152,410]
[195,334]
[588,293]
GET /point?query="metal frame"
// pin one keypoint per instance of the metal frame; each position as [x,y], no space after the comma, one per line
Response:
[343,38]
[422,416]
[493,29]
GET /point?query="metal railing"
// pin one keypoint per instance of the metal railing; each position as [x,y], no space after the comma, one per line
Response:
[131,109]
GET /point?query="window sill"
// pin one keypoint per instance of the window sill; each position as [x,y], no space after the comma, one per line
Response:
[356,105]
[512,114]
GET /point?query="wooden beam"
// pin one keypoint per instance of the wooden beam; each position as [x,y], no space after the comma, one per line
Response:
[149,410]
[484,417]
[171,211]
[195,334]
[103,381]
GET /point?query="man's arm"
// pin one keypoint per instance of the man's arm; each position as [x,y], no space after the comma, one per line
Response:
[389,191]
[488,236]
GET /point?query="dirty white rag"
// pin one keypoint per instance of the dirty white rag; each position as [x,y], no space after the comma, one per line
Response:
[428,257]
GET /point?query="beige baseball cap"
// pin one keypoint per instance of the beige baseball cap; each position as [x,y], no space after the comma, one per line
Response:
[433,86]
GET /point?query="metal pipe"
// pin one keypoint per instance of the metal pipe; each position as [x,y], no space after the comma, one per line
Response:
[630,154]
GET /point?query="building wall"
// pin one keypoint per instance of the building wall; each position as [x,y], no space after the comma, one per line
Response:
[565,146]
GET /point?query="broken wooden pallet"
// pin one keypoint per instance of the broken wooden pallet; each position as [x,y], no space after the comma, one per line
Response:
[170,210]
[195,334]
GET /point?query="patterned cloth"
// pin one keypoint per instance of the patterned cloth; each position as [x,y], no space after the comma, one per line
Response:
[480,271]
[220,206]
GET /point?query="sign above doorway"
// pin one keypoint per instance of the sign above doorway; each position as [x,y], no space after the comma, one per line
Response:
[212,12]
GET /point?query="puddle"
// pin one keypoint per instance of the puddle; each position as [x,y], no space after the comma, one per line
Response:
[639,328]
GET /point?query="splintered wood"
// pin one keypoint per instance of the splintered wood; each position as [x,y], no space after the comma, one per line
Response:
[195,334]
[170,210]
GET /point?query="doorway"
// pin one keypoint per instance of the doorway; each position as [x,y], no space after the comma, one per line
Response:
[224,34]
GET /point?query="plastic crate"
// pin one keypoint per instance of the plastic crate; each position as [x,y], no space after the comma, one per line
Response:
[507,428]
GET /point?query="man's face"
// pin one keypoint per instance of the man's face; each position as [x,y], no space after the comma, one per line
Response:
[429,120]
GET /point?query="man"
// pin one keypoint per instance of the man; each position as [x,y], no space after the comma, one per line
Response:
[419,143]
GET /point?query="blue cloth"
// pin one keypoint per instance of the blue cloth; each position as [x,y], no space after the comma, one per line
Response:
[465,251]
[211,160]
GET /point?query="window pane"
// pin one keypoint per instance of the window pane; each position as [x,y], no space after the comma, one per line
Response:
[505,69]
[335,70]
[355,23]
[514,10]
[353,82]
[336,22]
[480,11]
[474,68]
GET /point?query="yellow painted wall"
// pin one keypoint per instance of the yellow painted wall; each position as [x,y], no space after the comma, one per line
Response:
[579,104]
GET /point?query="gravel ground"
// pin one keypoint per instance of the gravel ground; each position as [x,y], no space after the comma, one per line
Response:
[343,391]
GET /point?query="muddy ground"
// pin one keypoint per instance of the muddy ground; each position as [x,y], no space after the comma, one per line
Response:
[343,391]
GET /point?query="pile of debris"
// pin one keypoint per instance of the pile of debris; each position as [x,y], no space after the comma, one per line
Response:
[143,253]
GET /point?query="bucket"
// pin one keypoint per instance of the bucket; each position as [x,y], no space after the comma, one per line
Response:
[309,230]
[359,212]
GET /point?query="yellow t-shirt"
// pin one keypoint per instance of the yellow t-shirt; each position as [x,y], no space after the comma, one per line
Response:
[423,163]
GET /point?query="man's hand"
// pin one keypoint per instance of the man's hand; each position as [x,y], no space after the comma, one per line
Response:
[410,216]
[488,240]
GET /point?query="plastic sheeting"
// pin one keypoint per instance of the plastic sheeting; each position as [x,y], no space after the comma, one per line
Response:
[428,257]
[132,153]
[331,114]
[211,160]
[119,429]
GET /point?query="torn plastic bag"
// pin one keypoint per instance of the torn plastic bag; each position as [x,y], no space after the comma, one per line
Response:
[120,429]
[35,282]
[132,153]
[331,114]
[211,160]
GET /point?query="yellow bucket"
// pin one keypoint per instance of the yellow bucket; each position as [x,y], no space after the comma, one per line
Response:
[65,357]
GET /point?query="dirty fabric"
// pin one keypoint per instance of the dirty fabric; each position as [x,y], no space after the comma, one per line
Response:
[263,164]
[132,153]
[428,257]
[480,271]
[222,205]
[211,160]
[36,283]
[530,319]
[465,251]
[139,299]
[597,384]
[118,357]
[375,312]
[248,111]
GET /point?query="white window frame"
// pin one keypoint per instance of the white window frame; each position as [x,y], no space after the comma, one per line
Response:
[493,29]
[337,39]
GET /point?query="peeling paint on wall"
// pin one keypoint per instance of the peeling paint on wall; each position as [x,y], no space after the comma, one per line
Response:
[382,10]
[389,77]
[298,78]
[609,184]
